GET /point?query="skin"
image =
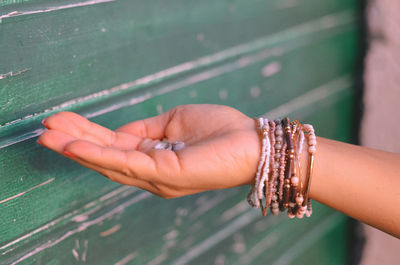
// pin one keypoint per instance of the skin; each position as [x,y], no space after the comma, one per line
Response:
[222,151]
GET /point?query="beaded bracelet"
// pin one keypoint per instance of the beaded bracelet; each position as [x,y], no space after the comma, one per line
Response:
[278,181]
[295,176]
[265,167]
[312,142]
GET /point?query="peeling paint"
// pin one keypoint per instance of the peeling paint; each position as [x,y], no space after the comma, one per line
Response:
[85,249]
[75,254]
[159,259]
[236,210]
[75,250]
[83,226]
[12,74]
[54,8]
[220,259]
[255,91]
[217,237]
[209,204]
[271,69]
[110,231]
[159,108]
[239,245]
[13,13]
[223,94]
[200,36]
[258,249]
[171,235]
[113,195]
[193,94]
[28,190]
[126,259]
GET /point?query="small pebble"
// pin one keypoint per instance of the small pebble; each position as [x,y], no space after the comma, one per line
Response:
[163,145]
[177,146]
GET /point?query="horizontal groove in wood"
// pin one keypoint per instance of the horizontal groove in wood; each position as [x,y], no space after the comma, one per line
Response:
[18,11]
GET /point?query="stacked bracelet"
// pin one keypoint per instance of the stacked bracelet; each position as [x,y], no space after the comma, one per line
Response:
[278,181]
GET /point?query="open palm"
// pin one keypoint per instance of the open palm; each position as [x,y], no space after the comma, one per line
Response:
[221,149]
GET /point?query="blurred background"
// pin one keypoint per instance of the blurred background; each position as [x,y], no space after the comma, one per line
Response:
[382,93]
[332,63]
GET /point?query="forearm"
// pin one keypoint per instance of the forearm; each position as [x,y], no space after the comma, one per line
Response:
[360,182]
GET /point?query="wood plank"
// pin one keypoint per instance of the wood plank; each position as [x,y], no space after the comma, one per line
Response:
[118,61]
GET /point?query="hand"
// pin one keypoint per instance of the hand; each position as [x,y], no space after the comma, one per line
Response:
[222,149]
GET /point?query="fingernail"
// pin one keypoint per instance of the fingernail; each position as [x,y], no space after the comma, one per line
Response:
[70,154]
[44,122]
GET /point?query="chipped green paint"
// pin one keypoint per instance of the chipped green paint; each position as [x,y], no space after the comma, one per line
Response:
[118,61]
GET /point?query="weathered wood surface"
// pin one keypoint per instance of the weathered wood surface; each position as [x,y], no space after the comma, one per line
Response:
[118,61]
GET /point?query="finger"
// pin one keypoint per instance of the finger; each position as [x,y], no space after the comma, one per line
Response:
[118,177]
[80,127]
[153,127]
[55,140]
[130,163]
[162,190]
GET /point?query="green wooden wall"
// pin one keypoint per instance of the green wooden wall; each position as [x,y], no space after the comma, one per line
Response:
[115,61]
